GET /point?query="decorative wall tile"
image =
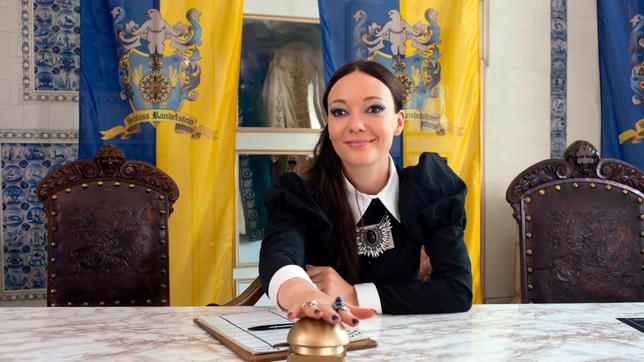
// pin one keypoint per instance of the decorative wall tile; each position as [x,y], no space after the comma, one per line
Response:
[38,136]
[26,157]
[558,76]
[50,49]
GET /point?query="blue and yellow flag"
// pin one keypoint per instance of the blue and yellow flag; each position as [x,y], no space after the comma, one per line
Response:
[620,30]
[433,47]
[159,78]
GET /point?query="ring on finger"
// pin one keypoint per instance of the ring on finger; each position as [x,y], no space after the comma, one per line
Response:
[310,303]
[339,305]
[341,308]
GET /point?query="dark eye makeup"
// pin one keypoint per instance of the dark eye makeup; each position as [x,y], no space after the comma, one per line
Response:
[338,112]
[375,108]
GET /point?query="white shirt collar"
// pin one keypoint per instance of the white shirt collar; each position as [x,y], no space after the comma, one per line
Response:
[359,202]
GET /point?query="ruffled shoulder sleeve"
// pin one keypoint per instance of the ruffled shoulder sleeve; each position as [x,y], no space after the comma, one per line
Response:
[432,192]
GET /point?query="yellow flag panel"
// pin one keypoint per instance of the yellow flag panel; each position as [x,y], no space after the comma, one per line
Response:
[202,227]
[449,120]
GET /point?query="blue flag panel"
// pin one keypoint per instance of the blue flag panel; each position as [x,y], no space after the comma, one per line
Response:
[101,103]
[621,64]
[341,24]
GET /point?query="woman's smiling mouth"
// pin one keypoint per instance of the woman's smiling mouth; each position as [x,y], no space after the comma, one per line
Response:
[357,143]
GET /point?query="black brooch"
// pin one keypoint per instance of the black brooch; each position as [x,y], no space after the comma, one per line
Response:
[373,240]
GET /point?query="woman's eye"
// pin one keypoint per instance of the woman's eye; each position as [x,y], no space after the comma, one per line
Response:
[375,109]
[337,112]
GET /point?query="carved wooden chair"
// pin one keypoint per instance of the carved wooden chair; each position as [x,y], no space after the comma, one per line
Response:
[249,296]
[107,232]
[581,228]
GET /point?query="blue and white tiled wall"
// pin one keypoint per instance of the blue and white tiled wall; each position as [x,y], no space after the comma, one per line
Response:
[558,76]
[52,61]
[38,90]
[26,157]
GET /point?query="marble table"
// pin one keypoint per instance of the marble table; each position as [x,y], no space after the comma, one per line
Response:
[570,332]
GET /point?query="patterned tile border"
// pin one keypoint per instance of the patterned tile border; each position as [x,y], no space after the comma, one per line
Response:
[37,136]
[38,294]
[62,36]
[30,154]
[558,76]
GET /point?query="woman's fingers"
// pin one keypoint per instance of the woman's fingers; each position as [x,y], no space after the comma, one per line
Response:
[301,311]
[362,313]
[317,273]
[312,270]
[292,314]
[321,285]
[346,312]
[332,312]
[317,278]
[295,312]
[310,309]
[353,315]
[329,314]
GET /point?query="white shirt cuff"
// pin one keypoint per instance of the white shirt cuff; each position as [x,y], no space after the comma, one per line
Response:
[282,275]
[368,296]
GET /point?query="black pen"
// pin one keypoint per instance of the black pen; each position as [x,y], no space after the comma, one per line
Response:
[269,327]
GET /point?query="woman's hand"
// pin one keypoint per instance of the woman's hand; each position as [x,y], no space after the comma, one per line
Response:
[331,283]
[303,299]
[425,269]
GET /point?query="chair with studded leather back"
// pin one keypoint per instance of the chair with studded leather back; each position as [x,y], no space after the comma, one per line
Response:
[107,232]
[581,226]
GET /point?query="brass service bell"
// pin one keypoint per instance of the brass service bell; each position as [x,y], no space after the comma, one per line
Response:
[317,340]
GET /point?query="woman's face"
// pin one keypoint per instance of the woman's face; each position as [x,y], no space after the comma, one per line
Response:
[362,120]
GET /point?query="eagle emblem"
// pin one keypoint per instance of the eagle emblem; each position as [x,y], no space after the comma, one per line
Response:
[413,53]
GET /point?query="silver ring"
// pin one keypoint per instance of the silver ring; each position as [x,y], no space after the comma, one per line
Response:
[310,303]
[340,308]
[339,305]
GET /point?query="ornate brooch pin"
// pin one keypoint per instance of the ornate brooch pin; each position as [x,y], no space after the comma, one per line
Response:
[373,240]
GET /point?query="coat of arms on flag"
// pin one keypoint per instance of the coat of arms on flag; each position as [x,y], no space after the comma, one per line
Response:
[413,53]
[636,47]
[158,70]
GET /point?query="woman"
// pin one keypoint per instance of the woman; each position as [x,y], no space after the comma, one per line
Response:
[343,243]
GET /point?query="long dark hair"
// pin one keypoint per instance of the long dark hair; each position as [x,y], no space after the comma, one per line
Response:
[326,178]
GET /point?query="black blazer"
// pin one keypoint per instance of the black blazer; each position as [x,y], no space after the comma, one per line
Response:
[431,204]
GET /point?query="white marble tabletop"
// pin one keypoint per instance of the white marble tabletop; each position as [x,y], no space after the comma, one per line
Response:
[570,332]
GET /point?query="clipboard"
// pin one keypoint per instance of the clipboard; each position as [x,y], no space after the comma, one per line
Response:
[278,351]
